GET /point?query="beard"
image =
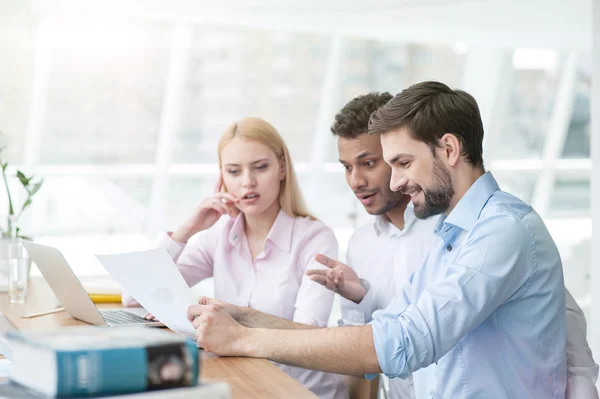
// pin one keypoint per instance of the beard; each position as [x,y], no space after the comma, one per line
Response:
[393,199]
[439,196]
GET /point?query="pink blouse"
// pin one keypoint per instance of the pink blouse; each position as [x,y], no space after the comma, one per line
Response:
[273,283]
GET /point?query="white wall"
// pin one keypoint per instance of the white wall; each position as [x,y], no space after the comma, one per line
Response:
[594,322]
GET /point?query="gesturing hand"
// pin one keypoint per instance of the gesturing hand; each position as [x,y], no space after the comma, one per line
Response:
[339,278]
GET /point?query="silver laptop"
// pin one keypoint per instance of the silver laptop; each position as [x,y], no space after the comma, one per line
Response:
[72,295]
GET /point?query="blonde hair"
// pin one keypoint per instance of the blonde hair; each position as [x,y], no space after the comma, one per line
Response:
[256,129]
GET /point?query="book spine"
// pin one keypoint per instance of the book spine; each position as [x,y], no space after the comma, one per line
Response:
[126,370]
[106,371]
[192,349]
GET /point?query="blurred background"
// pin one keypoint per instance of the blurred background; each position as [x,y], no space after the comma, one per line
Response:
[119,104]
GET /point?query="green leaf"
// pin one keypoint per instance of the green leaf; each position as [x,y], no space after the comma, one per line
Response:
[24,180]
[36,188]
[26,204]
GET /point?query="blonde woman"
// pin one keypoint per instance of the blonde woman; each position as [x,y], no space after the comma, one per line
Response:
[258,240]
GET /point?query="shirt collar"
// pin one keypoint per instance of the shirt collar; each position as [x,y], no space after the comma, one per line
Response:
[280,233]
[467,211]
[380,224]
[383,225]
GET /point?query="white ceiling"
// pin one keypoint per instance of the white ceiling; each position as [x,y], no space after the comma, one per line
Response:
[498,23]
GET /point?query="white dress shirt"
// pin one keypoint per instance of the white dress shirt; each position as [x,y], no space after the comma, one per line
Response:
[385,256]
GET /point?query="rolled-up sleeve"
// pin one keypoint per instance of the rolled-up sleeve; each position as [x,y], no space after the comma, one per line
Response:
[314,301]
[194,260]
[489,268]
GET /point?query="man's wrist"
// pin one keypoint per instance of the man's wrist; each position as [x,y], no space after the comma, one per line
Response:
[243,315]
[251,343]
[365,285]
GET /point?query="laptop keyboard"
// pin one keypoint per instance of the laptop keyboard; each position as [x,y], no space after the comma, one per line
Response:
[124,317]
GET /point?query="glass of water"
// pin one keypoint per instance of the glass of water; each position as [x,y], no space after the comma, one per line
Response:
[18,272]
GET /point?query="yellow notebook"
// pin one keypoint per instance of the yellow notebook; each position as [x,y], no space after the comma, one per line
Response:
[105,298]
[102,289]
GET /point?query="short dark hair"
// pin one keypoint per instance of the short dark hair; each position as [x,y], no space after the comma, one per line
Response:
[431,109]
[353,119]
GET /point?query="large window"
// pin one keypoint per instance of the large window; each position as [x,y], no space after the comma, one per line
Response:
[122,117]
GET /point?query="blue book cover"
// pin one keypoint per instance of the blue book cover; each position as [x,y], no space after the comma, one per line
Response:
[87,361]
[213,390]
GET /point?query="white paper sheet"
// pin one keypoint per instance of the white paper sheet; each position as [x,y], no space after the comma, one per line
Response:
[153,280]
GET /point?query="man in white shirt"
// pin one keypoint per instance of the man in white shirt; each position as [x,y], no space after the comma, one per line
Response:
[383,253]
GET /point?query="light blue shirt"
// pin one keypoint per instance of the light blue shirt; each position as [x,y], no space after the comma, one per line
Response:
[487,305]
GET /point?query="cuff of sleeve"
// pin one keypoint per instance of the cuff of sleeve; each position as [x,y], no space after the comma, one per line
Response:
[580,387]
[367,305]
[389,347]
[354,314]
[173,247]
[303,317]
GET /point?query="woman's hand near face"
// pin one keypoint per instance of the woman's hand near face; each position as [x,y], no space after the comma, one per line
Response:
[207,213]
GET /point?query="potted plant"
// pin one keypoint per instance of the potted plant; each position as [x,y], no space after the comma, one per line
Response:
[10,232]
[31,186]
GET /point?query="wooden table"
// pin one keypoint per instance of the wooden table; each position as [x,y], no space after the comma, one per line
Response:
[248,378]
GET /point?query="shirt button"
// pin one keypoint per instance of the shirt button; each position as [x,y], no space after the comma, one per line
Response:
[449,247]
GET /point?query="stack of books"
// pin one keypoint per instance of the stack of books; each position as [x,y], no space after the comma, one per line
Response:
[106,362]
